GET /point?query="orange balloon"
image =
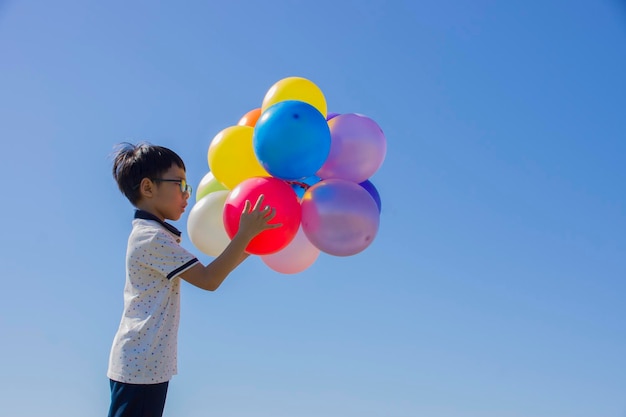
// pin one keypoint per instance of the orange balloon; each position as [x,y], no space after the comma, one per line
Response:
[250,118]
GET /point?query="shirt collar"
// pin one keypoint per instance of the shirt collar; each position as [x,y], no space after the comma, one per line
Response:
[142,214]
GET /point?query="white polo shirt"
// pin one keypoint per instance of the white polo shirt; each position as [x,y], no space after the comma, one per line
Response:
[145,346]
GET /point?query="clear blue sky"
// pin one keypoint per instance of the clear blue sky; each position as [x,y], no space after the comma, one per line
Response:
[496,284]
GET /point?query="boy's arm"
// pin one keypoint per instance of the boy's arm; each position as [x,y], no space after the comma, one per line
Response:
[211,276]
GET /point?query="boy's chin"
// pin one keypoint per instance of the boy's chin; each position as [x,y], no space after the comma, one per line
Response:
[174,216]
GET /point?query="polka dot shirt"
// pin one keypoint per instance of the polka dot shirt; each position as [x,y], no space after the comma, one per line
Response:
[145,345]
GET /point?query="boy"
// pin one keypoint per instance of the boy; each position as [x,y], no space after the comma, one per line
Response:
[143,355]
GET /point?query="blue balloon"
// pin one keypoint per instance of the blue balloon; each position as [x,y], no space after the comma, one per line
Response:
[367,184]
[291,140]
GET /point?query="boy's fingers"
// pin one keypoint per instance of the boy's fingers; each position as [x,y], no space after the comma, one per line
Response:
[270,215]
[246,207]
[259,202]
[269,218]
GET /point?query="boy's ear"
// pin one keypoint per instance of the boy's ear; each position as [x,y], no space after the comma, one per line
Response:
[146,188]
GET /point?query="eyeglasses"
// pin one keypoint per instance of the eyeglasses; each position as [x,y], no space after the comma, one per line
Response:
[184,187]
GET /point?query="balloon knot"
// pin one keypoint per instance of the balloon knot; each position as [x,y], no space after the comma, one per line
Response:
[299,184]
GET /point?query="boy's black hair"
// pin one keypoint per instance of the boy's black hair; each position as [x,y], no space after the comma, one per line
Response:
[133,163]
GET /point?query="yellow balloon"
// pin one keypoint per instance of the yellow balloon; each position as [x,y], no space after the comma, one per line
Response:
[295,88]
[231,156]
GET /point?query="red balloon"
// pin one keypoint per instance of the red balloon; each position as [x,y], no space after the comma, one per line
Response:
[277,194]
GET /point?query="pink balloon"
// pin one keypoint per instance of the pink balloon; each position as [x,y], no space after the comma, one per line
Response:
[357,148]
[296,257]
[339,217]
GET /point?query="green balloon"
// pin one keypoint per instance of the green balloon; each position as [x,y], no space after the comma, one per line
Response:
[208,184]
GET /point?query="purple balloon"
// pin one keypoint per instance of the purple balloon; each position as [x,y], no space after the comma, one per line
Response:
[339,217]
[331,116]
[357,148]
[373,192]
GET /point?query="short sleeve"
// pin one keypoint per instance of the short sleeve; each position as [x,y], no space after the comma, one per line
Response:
[168,257]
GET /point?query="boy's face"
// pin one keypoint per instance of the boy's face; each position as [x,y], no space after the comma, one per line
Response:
[168,200]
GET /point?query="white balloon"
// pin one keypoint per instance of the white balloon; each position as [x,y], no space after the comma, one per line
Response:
[205,224]
[295,257]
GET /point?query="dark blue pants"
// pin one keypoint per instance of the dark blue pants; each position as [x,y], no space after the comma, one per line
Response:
[137,400]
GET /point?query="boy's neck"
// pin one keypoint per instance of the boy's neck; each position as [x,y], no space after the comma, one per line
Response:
[145,206]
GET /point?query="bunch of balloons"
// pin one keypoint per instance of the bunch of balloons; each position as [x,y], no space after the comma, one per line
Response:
[311,166]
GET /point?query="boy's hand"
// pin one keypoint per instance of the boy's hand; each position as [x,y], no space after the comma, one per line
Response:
[252,222]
